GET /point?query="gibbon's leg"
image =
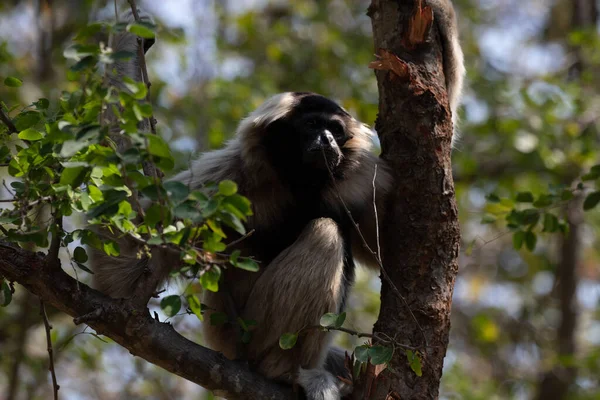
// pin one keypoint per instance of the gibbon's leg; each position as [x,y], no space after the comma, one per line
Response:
[305,281]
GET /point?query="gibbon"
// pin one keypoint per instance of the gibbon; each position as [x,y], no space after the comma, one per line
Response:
[303,161]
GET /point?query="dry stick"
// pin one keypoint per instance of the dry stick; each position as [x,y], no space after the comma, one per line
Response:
[366,245]
[11,127]
[48,327]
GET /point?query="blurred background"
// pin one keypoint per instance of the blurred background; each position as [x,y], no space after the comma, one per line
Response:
[525,324]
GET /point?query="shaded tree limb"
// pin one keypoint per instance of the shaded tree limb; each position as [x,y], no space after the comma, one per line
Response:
[138,332]
[420,234]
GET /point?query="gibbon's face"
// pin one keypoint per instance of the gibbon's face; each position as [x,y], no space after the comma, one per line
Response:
[322,136]
[310,138]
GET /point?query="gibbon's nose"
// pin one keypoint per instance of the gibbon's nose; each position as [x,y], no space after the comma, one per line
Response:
[323,141]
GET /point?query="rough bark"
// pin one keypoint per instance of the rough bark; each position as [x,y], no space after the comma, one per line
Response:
[420,234]
[138,332]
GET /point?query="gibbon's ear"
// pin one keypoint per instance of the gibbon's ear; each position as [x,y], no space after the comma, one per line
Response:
[147,43]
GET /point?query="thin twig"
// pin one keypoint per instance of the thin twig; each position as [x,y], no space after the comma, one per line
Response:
[368,248]
[363,335]
[48,327]
[6,120]
[246,236]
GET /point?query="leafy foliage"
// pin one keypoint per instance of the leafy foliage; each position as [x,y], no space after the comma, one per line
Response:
[63,158]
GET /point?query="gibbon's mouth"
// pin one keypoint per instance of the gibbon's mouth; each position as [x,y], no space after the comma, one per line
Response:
[323,159]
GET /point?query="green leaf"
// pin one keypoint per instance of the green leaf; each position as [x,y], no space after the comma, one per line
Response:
[177,191]
[141,30]
[524,197]
[518,238]
[42,104]
[591,201]
[31,135]
[530,216]
[233,257]
[213,243]
[550,223]
[155,214]
[84,268]
[545,200]
[228,188]
[488,219]
[5,294]
[288,340]
[210,279]
[111,248]
[493,198]
[328,320]
[80,255]
[210,208]
[27,120]
[240,203]
[187,210]
[380,354]
[11,81]
[247,264]
[195,306]
[530,240]
[216,227]
[414,360]
[73,176]
[171,305]
[158,147]
[361,353]
[332,320]
[154,192]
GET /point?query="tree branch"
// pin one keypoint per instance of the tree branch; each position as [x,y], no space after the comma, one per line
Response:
[138,332]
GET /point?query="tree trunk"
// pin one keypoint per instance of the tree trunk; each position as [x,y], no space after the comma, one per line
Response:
[555,383]
[420,234]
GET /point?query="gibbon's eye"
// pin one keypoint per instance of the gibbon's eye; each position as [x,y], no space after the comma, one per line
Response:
[337,130]
[313,123]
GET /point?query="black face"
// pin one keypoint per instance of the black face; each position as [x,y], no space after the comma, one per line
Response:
[322,137]
[308,142]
